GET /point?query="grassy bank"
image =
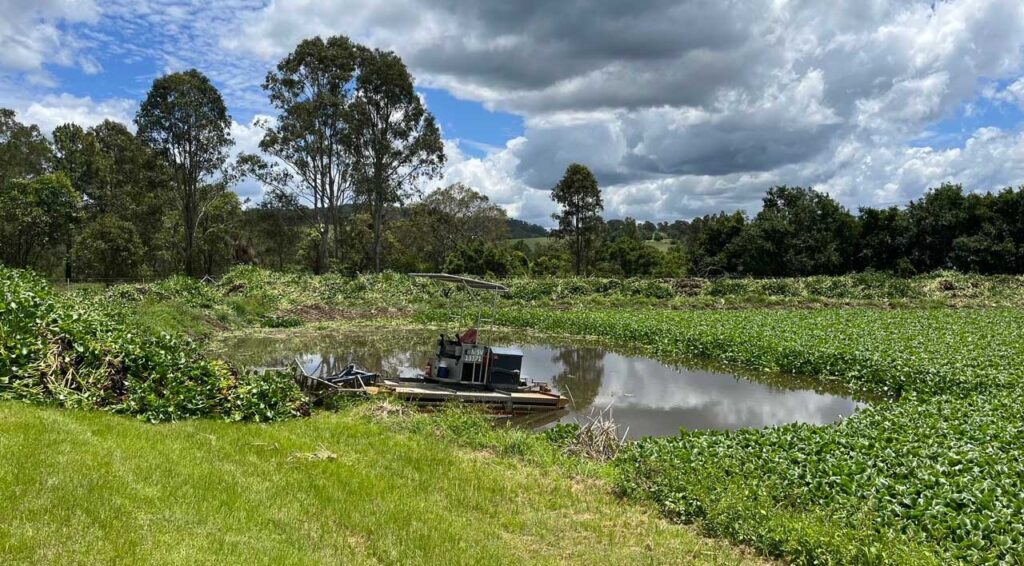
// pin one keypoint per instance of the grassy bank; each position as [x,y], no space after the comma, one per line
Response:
[933,474]
[87,487]
[933,477]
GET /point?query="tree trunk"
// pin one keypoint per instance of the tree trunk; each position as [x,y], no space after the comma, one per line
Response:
[378,221]
[323,258]
[578,253]
[189,221]
[336,224]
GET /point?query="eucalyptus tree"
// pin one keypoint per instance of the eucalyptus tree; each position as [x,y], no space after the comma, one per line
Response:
[312,89]
[185,119]
[579,219]
[394,140]
[36,214]
[445,220]
[24,152]
[75,154]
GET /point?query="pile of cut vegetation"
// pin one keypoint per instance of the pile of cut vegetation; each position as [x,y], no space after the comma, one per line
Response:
[81,350]
[251,296]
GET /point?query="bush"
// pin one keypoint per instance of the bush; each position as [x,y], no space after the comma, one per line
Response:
[79,350]
[109,248]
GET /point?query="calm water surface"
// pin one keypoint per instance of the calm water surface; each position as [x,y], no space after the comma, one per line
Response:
[647,396]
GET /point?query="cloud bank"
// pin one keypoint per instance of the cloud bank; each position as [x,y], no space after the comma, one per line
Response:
[680,107]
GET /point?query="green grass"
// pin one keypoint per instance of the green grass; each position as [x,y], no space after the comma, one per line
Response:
[88,487]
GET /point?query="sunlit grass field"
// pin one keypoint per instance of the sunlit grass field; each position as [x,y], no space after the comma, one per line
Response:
[87,487]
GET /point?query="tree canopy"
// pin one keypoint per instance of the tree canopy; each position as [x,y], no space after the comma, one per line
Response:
[309,140]
[579,219]
[395,140]
[184,118]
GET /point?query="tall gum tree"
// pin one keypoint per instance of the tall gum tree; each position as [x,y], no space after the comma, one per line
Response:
[24,151]
[311,88]
[394,139]
[185,119]
[579,219]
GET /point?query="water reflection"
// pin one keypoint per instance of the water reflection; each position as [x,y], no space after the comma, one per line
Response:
[653,398]
[580,376]
[645,395]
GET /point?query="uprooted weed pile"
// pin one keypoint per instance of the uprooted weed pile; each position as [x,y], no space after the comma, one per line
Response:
[252,296]
[82,350]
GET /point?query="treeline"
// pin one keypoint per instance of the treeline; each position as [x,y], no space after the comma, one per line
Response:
[343,163]
[351,144]
[798,232]
[804,232]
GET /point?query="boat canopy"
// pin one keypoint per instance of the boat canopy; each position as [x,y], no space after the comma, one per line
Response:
[460,280]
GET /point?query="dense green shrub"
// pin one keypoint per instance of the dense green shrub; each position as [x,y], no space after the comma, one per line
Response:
[85,351]
[23,299]
[191,292]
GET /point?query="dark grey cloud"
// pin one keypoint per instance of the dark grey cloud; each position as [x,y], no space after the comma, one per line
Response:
[535,45]
[685,106]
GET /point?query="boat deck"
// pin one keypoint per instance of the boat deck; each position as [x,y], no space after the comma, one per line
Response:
[426,393]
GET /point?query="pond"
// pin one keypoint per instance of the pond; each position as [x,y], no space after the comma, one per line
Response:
[647,396]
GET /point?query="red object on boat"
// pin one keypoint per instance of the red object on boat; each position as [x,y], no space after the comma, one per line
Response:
[469,337]
[430,369]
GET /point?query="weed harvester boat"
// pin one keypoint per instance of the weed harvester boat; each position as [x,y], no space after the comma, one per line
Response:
[462,369]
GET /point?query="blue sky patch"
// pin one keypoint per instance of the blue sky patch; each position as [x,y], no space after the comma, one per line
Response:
[477,128]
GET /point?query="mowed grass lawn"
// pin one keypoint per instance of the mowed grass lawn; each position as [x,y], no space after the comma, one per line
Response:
[89,487]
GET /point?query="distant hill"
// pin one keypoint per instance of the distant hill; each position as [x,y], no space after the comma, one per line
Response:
[532,243]
[518,229]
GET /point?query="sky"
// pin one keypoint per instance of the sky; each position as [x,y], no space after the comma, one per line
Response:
[680,107]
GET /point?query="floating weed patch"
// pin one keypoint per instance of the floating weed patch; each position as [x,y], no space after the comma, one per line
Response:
[887,352]
[936,476]
[944,475]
